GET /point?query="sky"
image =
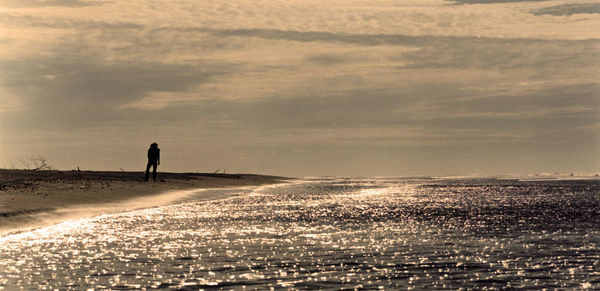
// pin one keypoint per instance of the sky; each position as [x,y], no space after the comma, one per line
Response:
[303,87]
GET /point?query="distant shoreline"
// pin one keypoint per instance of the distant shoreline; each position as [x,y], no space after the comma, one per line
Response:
[27,195]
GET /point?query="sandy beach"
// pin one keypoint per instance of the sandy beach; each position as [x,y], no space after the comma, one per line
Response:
[38,198]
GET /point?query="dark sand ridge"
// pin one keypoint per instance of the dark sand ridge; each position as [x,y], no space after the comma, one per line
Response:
[38,198]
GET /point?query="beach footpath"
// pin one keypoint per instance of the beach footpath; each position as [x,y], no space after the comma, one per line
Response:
[31,198]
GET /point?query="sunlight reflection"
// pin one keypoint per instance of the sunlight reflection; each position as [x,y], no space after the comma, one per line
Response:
[364,234]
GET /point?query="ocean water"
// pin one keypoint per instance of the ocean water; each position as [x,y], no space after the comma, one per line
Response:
[330,233]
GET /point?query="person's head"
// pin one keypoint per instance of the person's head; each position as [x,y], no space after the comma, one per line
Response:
[154,145]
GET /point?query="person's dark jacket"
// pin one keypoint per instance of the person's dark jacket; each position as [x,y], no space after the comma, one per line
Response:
[154,154]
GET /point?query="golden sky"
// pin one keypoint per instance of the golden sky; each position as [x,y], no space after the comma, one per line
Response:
[303,88]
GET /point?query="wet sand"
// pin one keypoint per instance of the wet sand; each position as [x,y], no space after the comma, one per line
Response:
[37,198]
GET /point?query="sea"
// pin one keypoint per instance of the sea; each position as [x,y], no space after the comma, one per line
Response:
[329,233]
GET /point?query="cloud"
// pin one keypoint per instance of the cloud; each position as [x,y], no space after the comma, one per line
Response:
[29,21]
[48,3]
[507,19]
[444,67]
[374,119]
[328,59]
[502,54]
[259,80]
[569,9]
[157,100]
[308,36]
[448,42]
[80,91]
[559,109]
[492,1]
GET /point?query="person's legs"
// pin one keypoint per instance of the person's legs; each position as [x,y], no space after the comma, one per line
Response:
[154,166]
[147,175]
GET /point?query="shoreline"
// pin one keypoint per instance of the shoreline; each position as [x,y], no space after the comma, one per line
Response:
[32,199]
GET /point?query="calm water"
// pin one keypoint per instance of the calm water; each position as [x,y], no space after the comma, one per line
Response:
[330,234]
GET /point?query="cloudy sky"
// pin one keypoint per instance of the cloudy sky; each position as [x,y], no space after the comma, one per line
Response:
[303,87]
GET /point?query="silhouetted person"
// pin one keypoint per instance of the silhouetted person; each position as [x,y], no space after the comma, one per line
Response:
[153,161]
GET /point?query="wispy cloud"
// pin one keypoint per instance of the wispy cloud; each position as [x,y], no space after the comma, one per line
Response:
[569,9]
[492,1]
[29,21]
[307,36]
[158,100]
[49,3]
[498,54]
[80,90]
